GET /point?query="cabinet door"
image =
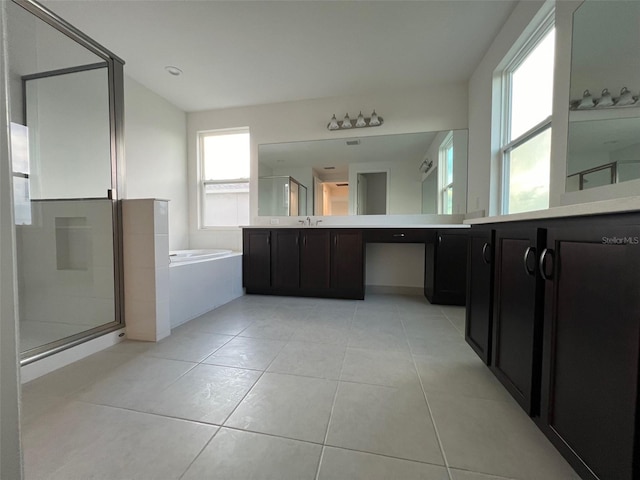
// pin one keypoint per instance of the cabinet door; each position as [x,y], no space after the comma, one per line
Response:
[315,265]
[285,257]
[591,349]
[517,317]
[256,259]
[479,292]
[451,268]
[347,263]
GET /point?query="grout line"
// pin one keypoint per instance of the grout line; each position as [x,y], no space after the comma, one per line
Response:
[199,453]
[254,384]
[433,421]
[333,404]
[452,323]
[257,432]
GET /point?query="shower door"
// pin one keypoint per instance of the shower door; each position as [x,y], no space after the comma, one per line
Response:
[64,152]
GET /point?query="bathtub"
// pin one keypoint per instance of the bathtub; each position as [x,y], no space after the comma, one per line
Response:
[182,256]
[201,280]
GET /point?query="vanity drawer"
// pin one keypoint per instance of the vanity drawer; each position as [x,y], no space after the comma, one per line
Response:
[397,235]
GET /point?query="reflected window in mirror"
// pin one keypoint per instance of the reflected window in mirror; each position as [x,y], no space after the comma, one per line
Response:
[224,177]
[603,146]
[446,175]
[526,118]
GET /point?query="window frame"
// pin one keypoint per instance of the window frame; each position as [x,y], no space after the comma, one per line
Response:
[508,144]
[202,183]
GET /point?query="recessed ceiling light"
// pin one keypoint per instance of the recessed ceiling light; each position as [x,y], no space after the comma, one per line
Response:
[353,142]
[175,71]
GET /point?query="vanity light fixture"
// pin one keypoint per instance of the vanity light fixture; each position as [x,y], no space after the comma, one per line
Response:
[360,122]
[175,71]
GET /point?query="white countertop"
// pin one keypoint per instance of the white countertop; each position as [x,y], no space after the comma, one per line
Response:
[438,226]
[618,205]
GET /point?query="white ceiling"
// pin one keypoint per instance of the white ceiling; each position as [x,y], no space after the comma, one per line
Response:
[238,53]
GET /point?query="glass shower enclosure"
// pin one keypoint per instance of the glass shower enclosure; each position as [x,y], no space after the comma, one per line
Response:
[66,108]
[281,196]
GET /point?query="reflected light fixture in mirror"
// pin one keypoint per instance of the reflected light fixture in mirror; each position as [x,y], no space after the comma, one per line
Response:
[360,122]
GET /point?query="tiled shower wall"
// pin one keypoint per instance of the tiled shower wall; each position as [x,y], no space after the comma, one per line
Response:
[65,263]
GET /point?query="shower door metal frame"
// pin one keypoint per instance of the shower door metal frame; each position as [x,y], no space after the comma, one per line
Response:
[115,69]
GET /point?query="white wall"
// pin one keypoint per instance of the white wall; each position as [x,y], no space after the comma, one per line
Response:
[155,155]
[436,108]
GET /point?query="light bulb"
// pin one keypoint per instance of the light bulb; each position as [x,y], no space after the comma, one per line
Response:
[374,122]
[360,121]
[346,122]
[333,124]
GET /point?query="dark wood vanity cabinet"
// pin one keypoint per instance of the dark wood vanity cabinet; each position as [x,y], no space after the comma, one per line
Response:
[256,259]
[479,309]
[306,262]
[347,263]
[590,405]
[517,313]
[285,258]
[315,260]
[445,271]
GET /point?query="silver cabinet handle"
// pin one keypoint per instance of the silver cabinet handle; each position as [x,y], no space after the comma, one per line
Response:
[541,263]
[528,252]
[398,235]
[485,247]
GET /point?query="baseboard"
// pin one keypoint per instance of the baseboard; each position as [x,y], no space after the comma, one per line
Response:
[393,290]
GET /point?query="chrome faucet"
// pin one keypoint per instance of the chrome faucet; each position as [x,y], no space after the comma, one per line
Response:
[318,222]
[308,221]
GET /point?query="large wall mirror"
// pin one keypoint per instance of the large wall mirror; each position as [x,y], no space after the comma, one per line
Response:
[413,173]
[604,117]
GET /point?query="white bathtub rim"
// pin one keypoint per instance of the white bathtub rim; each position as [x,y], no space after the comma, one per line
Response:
[196,259]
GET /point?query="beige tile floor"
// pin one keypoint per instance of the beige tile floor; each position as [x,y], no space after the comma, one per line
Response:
[287,388]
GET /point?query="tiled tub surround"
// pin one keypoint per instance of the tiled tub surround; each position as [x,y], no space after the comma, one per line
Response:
[288,388]
[200,285]
[145,225]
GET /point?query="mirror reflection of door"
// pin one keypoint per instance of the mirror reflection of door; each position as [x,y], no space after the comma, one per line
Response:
[318,207]
[333,198]
[372,193]
[430,193]
[293,198]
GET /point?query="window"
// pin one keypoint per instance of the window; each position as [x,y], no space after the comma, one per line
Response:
[445,161]
[224,178]
[21,173]
[526,136]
